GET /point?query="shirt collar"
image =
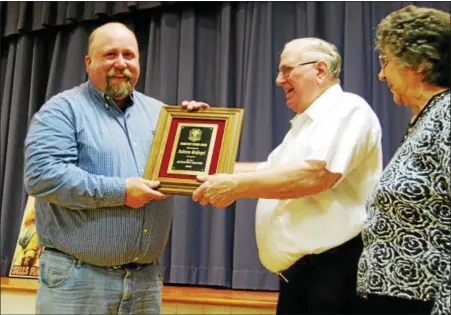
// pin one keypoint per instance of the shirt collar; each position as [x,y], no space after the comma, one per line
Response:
[105,99]
[320,106]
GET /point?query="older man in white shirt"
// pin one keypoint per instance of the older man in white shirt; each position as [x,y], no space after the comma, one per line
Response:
[313,186]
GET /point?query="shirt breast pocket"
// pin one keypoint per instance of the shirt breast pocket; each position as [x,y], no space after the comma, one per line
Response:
[148,142]
[102,151]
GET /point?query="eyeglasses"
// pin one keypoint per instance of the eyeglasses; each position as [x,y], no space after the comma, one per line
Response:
[382,61]
[286,70]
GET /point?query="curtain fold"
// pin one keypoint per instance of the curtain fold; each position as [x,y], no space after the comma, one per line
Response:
[223,53]
[30,16]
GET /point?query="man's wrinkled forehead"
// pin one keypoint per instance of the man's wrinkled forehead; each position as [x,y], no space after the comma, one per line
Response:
[291,55]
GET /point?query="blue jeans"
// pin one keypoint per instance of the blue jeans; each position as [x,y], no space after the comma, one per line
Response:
[69,286]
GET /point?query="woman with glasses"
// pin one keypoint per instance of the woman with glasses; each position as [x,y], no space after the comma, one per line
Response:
[405,264]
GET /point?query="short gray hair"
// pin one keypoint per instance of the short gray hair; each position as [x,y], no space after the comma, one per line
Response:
[329,54]
[322,50]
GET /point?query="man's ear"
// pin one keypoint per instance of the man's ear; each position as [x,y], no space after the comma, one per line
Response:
[88,61]
[322,70]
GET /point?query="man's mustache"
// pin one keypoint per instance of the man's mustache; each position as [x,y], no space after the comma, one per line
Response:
[127,73]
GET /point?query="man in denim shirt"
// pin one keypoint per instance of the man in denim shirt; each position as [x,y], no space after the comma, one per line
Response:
[102,226]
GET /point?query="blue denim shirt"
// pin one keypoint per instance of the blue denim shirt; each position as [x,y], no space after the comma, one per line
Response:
[79,150]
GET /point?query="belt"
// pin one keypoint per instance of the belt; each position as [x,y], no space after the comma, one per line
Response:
[129,266]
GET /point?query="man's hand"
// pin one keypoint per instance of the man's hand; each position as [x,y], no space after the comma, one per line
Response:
[220,190]
[193,105]
[139,191]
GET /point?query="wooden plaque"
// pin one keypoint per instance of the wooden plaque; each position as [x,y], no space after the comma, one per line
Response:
[188,144]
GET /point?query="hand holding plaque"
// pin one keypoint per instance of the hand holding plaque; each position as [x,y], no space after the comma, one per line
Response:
[188,144]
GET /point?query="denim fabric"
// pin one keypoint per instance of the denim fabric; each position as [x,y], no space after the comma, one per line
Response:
[69,286]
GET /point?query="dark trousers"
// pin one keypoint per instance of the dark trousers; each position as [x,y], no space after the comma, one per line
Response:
[380,304]
[323,283]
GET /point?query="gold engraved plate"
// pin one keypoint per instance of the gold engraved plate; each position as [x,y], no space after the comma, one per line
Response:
[193,150]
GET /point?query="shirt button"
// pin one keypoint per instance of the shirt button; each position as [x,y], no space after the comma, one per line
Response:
[145,230]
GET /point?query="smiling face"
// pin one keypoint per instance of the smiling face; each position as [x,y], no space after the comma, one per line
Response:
[402,81]
[303,73]
[112,62]
[298,82]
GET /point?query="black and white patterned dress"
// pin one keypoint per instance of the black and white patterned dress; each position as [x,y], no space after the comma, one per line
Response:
[407,237]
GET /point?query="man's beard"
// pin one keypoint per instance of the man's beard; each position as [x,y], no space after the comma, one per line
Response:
[120,89]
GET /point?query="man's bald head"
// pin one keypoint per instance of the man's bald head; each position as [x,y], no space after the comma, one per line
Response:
[318,49]
[107,29]
[112,62]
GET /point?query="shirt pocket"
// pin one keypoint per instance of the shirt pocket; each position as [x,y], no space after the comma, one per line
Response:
[149,140]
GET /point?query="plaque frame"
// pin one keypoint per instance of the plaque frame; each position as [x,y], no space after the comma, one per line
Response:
[231,118]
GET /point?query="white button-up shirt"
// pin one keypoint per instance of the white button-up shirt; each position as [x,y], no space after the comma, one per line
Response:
[341,129]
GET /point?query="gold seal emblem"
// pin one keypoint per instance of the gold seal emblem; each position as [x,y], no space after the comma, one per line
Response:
[195,135]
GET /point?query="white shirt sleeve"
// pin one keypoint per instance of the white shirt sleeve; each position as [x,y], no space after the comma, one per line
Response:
[344,142]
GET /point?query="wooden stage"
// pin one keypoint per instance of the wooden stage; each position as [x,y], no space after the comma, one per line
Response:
[176,299]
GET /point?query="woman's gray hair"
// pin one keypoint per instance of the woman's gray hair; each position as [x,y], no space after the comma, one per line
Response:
[419,38]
